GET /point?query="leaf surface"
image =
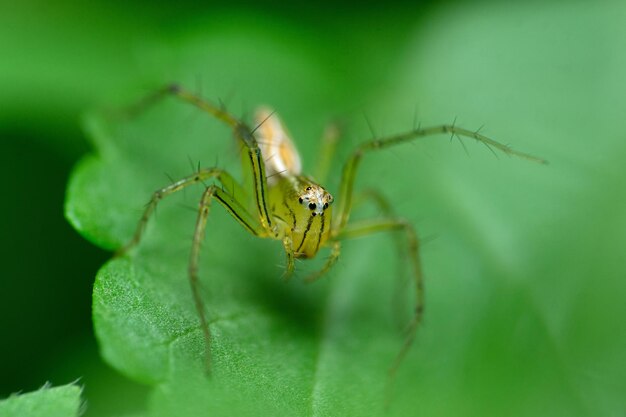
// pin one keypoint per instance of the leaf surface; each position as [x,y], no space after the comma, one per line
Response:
[522,261]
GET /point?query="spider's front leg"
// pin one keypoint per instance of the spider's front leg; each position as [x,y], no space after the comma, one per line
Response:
[201,175]
[252,159]
[342,230]
[230,196]
[243,217]
[290,254]
[330,262]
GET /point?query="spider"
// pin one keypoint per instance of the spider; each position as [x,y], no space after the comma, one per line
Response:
[289,206]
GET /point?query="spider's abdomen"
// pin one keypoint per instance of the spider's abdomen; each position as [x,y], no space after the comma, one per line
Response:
[279,152]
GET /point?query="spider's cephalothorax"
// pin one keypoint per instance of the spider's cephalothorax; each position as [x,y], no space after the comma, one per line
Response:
[302,213]
[284,204]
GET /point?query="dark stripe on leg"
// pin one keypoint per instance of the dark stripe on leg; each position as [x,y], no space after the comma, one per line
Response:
[234,213]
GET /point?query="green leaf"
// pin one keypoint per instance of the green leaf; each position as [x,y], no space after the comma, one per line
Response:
[63,401]
[523,262]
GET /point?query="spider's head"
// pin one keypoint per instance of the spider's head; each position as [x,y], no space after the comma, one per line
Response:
[315,199]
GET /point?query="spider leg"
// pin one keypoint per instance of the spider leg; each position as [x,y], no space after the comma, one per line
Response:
[201,175]
[288,245]
[386,209]
[327,152]
[252,159]
[351,167]
[244,218]
[231,196]
[367,227]
[381,202]
[172,89]
[330,262]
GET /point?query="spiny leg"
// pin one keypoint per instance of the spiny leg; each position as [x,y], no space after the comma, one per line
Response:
[387,211]
[253,160]
[382,203]
[351,166]
[330,262]
[172,89]
[346,191]
[201,175]
[291,265]
[327,152]
[367,227]
[244,218]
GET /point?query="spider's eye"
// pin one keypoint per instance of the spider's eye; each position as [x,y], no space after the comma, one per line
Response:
[300,200]
[308,188]
[312,206]
[325,205]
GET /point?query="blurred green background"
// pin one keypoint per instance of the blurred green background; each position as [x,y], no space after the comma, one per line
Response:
[526,269]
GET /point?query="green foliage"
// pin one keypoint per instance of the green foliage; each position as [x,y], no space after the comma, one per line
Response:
[63,401]
[524,274]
